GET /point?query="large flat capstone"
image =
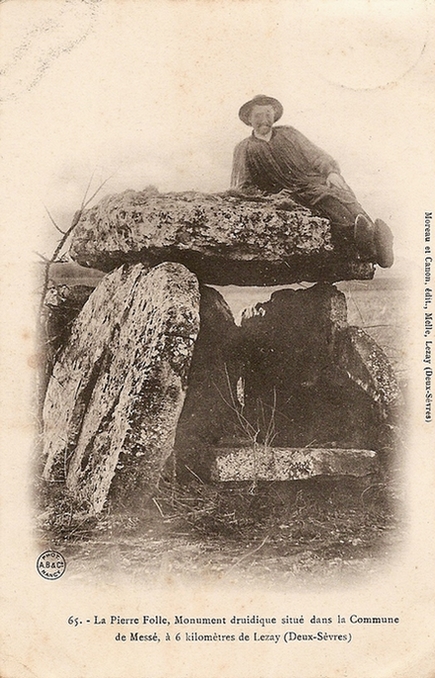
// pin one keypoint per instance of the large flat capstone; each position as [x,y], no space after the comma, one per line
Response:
[224,239]
[118,387]
[273,463]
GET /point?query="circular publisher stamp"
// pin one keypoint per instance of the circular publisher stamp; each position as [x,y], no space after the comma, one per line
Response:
[51,565]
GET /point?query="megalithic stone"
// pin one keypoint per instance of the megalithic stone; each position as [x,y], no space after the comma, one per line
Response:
[360,358]
[117,390]
[211,405]
[313,380]
[276,463]
[223,238]
[289,344]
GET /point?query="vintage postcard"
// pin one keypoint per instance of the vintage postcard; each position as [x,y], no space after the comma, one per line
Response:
[217,345]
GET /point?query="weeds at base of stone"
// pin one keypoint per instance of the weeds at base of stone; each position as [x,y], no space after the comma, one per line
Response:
[347,519]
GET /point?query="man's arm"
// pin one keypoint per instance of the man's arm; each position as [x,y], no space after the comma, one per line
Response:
[336,180]
[319,160]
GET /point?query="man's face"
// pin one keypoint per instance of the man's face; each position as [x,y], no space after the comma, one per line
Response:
[262,119]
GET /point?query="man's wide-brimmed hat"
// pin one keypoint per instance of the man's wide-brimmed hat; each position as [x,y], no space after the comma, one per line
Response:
[260,100]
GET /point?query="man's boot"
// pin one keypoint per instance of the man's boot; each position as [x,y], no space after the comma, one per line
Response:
[374,242]
[383,238]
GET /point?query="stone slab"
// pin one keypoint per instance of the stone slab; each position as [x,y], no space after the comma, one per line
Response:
[283,464]
[224,239]
[209,408]
[359,357]
[118,387]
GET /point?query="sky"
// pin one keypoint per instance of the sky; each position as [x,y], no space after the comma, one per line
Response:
[142,92]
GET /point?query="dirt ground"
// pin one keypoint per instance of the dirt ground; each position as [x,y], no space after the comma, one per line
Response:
[273,534]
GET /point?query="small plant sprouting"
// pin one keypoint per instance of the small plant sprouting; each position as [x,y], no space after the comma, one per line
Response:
[264,424]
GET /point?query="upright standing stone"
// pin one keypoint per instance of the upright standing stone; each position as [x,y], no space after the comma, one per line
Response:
[209,411]
[118,388]
[359,357]
[310,379]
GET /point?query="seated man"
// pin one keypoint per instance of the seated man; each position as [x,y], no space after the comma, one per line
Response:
[280,158]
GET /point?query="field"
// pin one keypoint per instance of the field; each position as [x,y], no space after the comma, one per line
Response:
[271,534]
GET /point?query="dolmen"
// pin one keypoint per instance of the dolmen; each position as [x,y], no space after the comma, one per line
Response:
[154,368]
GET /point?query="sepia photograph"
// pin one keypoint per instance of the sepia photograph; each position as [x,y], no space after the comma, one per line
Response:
[216,349]
[175,421]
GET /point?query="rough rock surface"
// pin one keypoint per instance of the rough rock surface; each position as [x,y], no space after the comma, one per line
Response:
[360,358]
[209,413]
[310,379]
[275,463]
[222,238]
[118,388]
[62,304]
[70,286]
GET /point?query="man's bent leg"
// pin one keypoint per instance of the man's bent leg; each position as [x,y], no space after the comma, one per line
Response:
[343,218]
[351,227]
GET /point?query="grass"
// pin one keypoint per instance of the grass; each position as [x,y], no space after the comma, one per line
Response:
[293,529]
